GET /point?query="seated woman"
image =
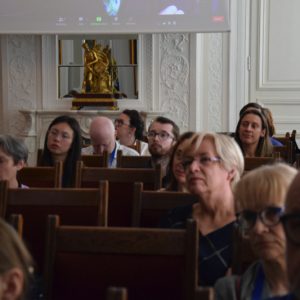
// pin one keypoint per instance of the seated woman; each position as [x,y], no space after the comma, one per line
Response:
[176,171]
[130,128]
[213,164]
[16,267]
[252,134]
[13,157]
[63,143]
[260,200]
[268,115]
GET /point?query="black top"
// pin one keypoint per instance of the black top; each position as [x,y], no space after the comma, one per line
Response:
[215,248]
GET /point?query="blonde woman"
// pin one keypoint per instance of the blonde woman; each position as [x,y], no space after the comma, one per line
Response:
[260,201]
[213,164]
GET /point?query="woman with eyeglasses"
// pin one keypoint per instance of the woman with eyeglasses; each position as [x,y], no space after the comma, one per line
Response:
[260,200]
[63,143]
[213,164]
[130,129]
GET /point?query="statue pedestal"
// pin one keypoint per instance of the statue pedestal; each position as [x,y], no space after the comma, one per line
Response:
[100,101]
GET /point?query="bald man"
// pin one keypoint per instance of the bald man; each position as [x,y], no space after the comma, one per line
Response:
[102,134]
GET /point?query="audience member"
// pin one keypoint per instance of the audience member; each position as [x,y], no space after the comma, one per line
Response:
[102,134]
[213,164]
[130,129]
[13,157]
[260,201]
[16,266]
[177,173]
[162,136]
[63,143]
[268,115]
[252,134]
[291,222]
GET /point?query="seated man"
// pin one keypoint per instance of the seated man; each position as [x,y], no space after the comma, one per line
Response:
[102,134]
[162,136]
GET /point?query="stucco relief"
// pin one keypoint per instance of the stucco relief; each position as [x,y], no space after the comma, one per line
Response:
[21,61]
[215,82]
[174,77]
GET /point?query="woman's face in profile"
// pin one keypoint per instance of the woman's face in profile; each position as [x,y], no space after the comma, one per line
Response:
[60,138]
[177,166]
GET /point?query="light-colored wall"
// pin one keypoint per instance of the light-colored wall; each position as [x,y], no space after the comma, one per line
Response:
[199,80]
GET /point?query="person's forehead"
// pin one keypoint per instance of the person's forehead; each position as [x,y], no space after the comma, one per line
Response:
[4,155]
[123,117]
[161,127]
[251,118]
[62,127]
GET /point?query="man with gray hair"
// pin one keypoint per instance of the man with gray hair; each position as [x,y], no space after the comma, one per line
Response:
[103,138]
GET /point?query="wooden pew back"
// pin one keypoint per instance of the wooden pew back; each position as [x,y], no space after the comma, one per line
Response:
[150,263]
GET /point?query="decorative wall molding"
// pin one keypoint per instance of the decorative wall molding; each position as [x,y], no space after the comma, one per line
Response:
[174,74]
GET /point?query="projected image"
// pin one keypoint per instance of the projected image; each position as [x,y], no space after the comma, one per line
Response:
[171,10]
[112,7]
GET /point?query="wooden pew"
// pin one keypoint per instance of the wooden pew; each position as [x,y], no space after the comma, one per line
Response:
[151,263]
[75,206]
[16,221]
[95,160]
[151,206]
[121,188]
[116,293]
[255,162]
[125,161]
[41,176]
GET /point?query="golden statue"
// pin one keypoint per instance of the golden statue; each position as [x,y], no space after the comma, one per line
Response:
[97,65]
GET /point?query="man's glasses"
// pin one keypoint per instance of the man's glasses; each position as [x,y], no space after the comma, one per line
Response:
[120,122]
[291,225]
[163,136]
[270,216]
[202,160]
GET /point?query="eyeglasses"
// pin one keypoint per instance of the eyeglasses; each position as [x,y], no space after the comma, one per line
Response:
[163,136]
[55,133]
[120,122]
[270,216]
[291,225]
[202,160]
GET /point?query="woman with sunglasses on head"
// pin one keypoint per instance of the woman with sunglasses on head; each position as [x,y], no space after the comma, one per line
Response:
[63,143]
[260,200]
[213,164]
[130,129]
[252,134]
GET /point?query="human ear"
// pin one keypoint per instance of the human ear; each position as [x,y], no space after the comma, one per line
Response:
[263,133]
[20,164]
[13,281]
[231,174]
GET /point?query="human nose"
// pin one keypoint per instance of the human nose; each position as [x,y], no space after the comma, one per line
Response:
[259,227]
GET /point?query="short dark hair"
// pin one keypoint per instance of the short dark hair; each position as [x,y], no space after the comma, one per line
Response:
[14,147]
[73,154]
[164,120]
[136,121]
